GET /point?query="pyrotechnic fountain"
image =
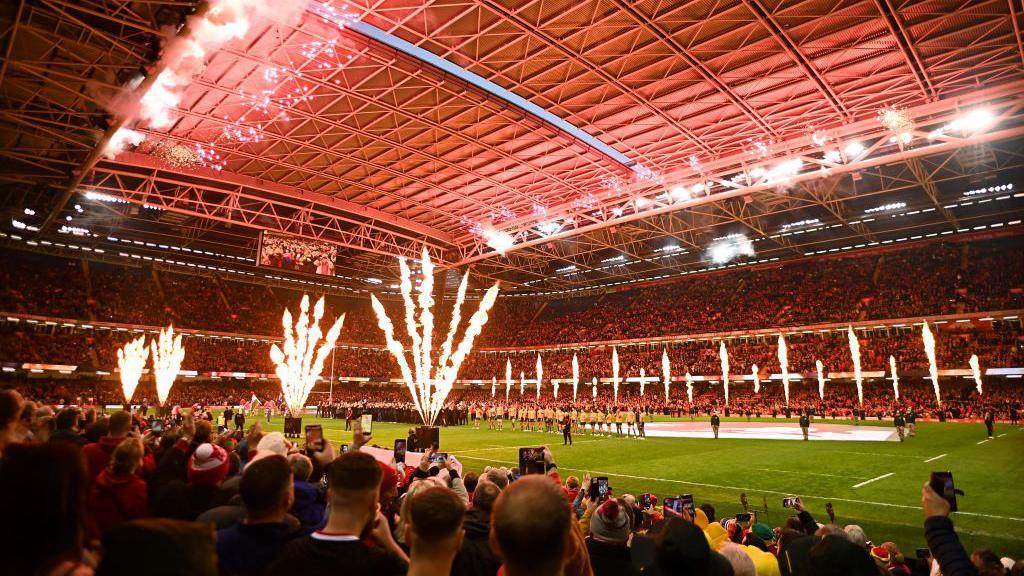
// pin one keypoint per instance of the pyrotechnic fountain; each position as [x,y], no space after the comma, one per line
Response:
[757,378]
[430,383]
[666,371]
[593,391]
[689,387]
[305,348]
[821,378]
[494,385]
[976,371]
[895,377]
[855,355]
[615,374]
[784,365]
[131,361]
[933,369]
[575,375]
[540,375]
[723,355]
[508,377]
[522,384]
[643,381]
[167,357]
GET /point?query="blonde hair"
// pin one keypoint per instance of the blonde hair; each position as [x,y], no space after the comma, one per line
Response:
[126,456]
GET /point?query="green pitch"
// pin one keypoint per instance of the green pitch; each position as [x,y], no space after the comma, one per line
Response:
[717,471]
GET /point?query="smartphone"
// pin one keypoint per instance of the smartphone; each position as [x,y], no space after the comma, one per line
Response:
[789,502]
[438,457]
[531,460]
[314,437]
[646,500]
[923,553]
[344,448]
[400,444]
[156,427]
[942,483]
[598,488]
[743,519]
[366,423]
[673,505]
[686,503]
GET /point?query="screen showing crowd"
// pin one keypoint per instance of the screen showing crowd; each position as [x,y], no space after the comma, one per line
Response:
[291,253]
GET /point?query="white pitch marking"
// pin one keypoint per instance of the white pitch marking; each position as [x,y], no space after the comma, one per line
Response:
[807,473]
[876,478]
[1001,435]
[749,489]
[983,441]
[933,458]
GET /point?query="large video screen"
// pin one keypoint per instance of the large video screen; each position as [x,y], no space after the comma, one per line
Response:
[299,254]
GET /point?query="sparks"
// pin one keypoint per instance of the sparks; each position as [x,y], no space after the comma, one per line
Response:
[131,361]
[168,354]
[976,371]
[784,365]
[300,360]
[615,373]
[723,356]
[851,336]
[430,383]
[689,387]
[666,371]
[895,377]
[821,378]
[757,378]
[575,375]
[928,339]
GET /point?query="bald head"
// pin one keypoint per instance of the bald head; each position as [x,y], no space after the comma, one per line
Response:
[530,526]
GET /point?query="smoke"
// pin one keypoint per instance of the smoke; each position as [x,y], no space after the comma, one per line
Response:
[821,379]
[895,377]
[615,373]
[168,355]
[666,371]
[120,139]
[855,355]
[575,375]
[508,377]
[757,378]
[723,355]
[928,339]
[784,365]
[689,388]
[976,371]
[540,375]
[730,247]
[131,361]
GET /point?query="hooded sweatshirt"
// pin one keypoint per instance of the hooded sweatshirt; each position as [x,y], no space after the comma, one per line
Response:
[116,498]
[476,557]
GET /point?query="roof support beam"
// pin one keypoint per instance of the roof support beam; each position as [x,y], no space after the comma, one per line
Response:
[906,44]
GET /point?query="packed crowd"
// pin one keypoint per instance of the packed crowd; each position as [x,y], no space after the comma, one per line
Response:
[182,495]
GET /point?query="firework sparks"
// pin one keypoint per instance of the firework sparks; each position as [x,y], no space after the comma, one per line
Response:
[666,371]
[131,361]
[899,123]
[895,377]
[689,388]
[593,390]
[168,354]
[300,360]
[522,384]
[615,373]
[575,375]
[643,381]
[723,356]
[855,355]
[757,378]
[430,382]
[784,365]
[508,377]
[821,378]
[494,385]
[976,371]
[928,339]
[540,375]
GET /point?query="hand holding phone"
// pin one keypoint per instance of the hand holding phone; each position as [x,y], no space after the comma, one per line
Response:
[599,489]
[789,502]
[400,444]
[942,484]
[438,458]
[687,505]
[531,460]
[314,437]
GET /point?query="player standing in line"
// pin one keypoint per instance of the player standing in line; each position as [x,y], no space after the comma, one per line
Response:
[912,422]
[490,417]
[630,423]
[608,419]
[618,422]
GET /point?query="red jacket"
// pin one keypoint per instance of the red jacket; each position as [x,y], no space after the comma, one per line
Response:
[97,457]
[116,498]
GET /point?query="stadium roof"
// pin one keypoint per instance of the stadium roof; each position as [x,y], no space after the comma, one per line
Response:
[592,143]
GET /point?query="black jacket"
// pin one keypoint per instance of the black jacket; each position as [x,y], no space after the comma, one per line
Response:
[715,421]
[476,558]
[609,559]
[946,548]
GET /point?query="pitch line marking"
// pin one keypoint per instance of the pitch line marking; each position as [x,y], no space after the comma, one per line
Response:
[875,479]
[1001,435]
[894,455]
[983,441]
[807,473]
[934,458]
[750,489]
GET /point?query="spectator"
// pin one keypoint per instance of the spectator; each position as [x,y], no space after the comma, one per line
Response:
[677,546]
[353,491]
[97,455]
[434,531]
[12,428]
[741,563]
[119,494]
[942,539]
[475,557]
[309,503]
[159,547]
[610,526]
[267,491]
[66,427]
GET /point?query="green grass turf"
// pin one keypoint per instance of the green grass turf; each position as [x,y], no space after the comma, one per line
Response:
[717,471]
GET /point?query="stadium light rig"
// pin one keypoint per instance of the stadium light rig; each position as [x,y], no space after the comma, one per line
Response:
[430,380]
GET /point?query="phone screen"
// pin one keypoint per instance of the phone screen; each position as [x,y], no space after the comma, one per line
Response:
[788,502]
[531,460]
[599,488]
[400,451]
[646,499]
[438,457]
[671,505]
[942,483]
[743,520]
[366,423]
[314,437]
[686,501]
[344,448]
